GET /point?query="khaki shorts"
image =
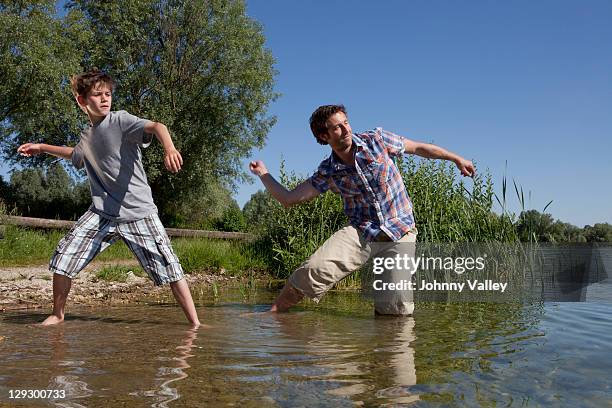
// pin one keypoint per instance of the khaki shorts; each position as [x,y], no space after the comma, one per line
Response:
[345,252]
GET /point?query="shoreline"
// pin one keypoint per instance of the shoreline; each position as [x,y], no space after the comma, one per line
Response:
[31,287]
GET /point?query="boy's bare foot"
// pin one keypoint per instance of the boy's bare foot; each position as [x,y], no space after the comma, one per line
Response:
[51,320]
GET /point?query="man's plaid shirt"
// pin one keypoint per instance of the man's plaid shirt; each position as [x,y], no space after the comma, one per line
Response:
[374,195]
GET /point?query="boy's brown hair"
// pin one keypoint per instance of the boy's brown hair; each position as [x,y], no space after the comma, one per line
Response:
[320,116]
[81,84]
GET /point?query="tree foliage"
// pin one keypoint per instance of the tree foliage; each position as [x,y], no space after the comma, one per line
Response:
[232,219]
[38,53]
[258,210]
[47,194]
[213,209]
[200,67]
[600,232]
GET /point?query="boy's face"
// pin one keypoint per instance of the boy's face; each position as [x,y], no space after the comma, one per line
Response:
[339,134]
[97,102]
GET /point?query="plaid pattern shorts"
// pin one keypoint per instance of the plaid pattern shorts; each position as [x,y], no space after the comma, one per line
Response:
[92,234]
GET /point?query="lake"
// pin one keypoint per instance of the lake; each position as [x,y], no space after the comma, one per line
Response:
[332,354]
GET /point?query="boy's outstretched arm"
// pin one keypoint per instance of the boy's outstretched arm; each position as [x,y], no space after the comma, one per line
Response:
[431,151]
[303,192]
[172,158]
[33,149]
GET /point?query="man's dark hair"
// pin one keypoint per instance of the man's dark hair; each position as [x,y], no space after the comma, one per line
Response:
[320,116]
[83,83]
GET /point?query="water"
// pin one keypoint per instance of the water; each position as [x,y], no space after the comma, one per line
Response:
[333,354]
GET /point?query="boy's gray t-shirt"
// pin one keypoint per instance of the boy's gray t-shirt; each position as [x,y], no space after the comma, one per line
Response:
[110,153]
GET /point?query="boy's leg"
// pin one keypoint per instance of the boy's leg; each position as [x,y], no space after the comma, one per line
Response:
[61,288]
[343,253]
[181,293]
[90,235]
[148,240]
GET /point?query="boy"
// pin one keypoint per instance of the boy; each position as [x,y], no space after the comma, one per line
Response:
[122,204]
[361,169]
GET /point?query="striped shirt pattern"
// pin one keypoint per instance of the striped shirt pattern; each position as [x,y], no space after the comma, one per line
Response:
[374,195]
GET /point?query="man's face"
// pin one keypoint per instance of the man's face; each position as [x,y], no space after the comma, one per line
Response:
[98,101]
[339,133]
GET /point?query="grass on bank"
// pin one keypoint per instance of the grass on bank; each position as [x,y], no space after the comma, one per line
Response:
[119,273]
[24,246]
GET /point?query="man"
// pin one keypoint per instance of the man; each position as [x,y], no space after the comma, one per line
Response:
[361,169]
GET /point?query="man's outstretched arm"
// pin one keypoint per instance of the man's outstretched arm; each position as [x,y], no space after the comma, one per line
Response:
[33,149]
[431,151]
[303,192]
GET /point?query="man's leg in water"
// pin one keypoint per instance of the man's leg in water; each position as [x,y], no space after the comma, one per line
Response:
[288,297]
[342,253]
[394,301]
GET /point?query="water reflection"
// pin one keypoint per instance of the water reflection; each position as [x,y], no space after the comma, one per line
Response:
[348,361]
[167,375]
[402,364]
[64,371]
[448,354]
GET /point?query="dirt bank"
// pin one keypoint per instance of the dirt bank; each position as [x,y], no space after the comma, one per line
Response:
[32,286]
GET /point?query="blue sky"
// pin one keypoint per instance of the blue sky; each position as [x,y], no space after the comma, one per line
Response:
[523,82]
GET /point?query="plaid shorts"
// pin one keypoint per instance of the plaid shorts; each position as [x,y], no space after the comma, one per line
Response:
[92,234]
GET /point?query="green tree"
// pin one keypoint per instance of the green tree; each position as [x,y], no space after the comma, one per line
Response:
[600,232]
[48,194]
[204,211]
[59,185]
[258,211]
[232,219]
[565,232]
[5,192]
[533,226]
[38,53]
[199,67]
[28,192]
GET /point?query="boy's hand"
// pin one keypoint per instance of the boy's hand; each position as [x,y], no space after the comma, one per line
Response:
[173,160]
[466,167]
[258,168]
[29,149]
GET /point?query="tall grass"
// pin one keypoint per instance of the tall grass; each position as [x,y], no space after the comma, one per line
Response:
[23,246]
[294,233]
[446,211]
